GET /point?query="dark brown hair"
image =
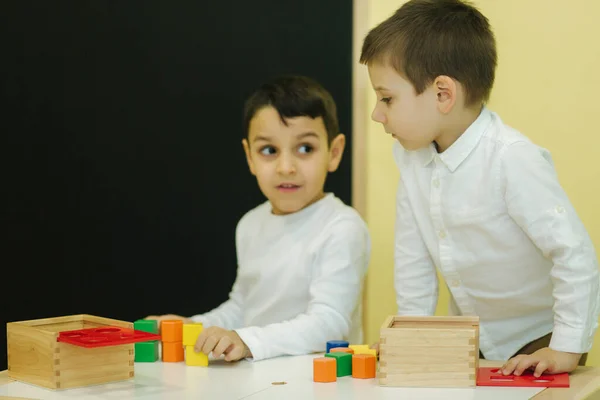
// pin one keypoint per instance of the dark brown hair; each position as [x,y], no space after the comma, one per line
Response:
[424,39]
[294,96]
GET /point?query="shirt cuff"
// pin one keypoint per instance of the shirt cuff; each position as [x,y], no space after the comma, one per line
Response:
[571,340]
[199,318]
[248,335]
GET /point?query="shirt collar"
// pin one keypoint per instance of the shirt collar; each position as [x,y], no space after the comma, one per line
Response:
[463,146]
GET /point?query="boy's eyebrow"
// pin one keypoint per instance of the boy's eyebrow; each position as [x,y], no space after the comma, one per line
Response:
[299,136]
[307,134]
[380,88]
[264,138]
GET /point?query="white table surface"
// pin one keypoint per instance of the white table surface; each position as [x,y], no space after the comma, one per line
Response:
[254,381]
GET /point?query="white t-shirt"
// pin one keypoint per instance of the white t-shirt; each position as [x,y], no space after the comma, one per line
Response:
[490,214]
[299,279]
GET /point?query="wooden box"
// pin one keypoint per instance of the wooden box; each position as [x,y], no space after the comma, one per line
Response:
[429,351]
[36,357]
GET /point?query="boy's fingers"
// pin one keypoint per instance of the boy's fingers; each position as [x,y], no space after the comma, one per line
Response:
[222,346]
[234,353]
[200,341]
[209,344]
[525,363]
[540,368]
[510,365]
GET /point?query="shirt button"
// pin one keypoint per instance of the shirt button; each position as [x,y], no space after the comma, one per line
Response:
[454,283]
[560,209]
[442,234]
[436,183]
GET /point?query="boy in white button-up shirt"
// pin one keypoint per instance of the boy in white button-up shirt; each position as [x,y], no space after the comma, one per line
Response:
[302,254]
[477,199]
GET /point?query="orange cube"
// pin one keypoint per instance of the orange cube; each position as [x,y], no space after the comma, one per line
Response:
[172,351]
[363,366]
[171,330]
[324,369]
[342,350]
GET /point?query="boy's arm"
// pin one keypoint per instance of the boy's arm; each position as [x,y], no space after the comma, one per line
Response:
[228,315]
[538,204]
[334,293]
[415,278]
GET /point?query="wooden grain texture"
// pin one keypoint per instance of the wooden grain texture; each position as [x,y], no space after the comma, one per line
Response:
[420,351]
[36,357]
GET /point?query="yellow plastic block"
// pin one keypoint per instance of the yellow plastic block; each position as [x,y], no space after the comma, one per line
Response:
[195,359]
[372,352]
[191,333]
[363,349]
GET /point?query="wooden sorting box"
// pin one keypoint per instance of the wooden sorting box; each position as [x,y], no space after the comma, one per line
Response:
[429,351]
[36,357]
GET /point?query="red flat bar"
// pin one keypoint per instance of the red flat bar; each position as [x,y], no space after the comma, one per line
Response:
[487,376]
[105,336]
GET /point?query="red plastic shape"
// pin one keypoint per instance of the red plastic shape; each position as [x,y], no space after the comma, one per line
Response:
[105,336]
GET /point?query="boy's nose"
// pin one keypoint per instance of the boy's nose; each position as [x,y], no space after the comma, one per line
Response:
[378,116]
[286,165]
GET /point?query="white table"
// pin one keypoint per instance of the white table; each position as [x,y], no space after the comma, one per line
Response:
[254,381]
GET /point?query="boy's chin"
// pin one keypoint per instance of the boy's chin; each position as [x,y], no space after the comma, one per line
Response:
[285,209]
[289,207]
[412,146]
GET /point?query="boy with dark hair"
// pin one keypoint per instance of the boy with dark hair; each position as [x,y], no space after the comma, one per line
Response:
[302,255]
[477,199]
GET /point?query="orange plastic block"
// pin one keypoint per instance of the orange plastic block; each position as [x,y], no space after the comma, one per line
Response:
[171,331]
[342,350]
[324,369]
[363,366]
[172,351]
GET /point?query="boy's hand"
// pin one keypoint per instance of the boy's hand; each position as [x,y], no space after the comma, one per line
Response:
[543,360]
[221,341]
[169,317]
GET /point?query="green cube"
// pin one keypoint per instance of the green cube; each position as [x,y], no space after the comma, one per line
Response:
[146,325]
[344,363]
[146,351]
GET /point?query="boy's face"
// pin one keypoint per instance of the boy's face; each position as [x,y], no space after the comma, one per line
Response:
[290,162]
[410,119]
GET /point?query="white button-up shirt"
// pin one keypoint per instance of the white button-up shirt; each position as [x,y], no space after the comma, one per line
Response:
[490,214]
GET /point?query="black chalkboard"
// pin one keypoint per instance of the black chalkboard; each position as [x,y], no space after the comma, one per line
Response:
[122,171]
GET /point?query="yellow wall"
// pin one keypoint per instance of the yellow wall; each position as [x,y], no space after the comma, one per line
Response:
[546,87]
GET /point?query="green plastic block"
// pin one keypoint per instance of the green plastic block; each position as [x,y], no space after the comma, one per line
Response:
[146,325]
[344,363]
[146,351]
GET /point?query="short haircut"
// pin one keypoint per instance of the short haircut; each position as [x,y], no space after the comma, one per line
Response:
[294,96]
[424,39]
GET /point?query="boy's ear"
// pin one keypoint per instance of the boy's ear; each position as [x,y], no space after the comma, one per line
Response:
[336,150]
[446,91]
[248,158]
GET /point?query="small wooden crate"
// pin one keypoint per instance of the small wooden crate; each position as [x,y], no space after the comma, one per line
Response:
[36,357]
[429,351]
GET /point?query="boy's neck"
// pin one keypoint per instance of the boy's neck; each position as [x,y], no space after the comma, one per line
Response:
[455,124]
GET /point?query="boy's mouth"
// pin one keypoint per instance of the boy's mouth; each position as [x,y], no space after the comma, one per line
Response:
[287,187]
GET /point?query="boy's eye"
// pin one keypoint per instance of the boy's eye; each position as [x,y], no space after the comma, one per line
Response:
[305,149]
[386,100]
[267,150]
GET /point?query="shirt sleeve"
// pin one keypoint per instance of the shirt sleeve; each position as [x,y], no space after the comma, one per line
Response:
[539,205]
[228,315]
[415,278]
[335,290]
